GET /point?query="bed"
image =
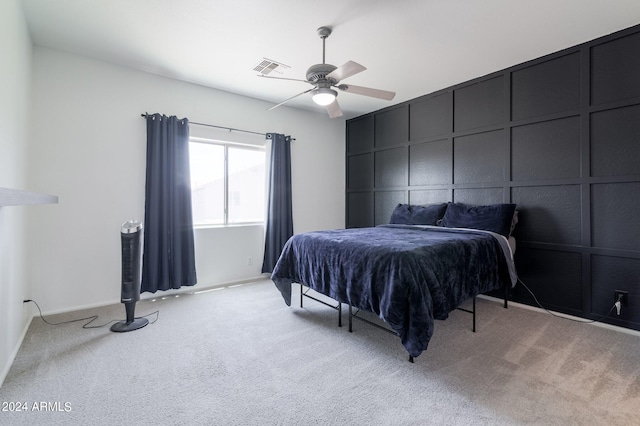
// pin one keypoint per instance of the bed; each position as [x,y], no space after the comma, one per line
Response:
[414,270]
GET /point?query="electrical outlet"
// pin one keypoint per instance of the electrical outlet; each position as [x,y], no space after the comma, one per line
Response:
[622,296]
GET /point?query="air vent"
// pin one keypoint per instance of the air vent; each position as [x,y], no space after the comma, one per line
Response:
[267,66]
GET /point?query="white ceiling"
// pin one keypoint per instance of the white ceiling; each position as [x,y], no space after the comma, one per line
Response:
[412,47]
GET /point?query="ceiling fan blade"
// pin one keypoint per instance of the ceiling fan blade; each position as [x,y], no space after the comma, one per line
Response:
[281,78]
[287,100]
[367,91]
[334,109]
[346,70]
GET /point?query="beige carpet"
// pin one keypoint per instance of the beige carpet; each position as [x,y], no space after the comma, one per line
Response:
[241,356]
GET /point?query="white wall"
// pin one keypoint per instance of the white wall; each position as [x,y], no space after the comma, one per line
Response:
[87,146]
[15,80]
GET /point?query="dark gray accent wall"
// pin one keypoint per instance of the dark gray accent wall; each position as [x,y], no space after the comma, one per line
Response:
[559,136]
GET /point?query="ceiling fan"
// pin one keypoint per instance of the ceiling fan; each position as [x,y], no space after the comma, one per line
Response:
[325,76]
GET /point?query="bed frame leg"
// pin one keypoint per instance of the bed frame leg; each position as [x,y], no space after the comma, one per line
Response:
[350,319]
[410,359]
[474,314]
[506,295]
[337,307]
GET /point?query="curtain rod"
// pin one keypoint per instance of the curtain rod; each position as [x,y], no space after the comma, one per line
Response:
[231,129]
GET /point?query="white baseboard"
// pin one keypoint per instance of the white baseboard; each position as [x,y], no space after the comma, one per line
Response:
[146,296]
[200,288]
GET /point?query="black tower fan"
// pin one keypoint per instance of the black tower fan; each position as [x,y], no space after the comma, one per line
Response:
[131,237]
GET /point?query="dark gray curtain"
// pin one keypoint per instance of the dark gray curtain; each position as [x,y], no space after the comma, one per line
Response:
[168,259]
[279,226]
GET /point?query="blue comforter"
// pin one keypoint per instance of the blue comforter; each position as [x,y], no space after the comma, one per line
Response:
[407,275]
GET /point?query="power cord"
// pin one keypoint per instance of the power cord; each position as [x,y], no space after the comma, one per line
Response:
[615,305]
[90,319]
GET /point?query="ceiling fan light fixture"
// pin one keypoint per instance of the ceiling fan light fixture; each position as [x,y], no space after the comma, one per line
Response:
[324,96]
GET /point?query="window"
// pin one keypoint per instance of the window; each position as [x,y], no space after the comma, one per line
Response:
[227,182]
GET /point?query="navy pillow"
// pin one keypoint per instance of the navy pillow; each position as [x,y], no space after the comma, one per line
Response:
[407,214]
[496,217]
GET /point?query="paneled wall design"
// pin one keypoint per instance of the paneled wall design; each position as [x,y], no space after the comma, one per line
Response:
[559,136]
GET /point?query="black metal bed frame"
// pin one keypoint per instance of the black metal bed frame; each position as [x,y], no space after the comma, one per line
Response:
[388,330]
[352,315]
[337,307]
